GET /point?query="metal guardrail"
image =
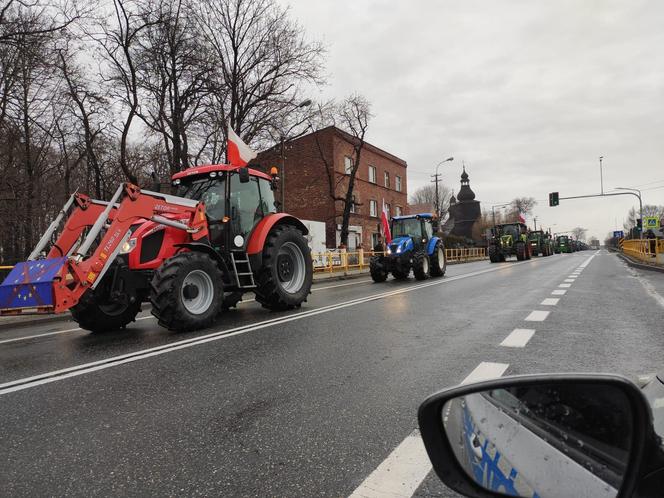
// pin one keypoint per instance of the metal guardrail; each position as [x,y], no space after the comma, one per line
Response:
[343,262]
[649,251]
[333,261]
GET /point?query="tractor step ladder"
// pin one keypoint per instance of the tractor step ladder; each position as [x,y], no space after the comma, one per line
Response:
[244,276]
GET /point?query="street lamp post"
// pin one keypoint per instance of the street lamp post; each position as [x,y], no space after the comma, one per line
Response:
[601,175]
[638,194]
[282,140]
[435,179]
[493,211]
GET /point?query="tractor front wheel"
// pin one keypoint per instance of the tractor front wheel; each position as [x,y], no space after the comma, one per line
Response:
[377,269]
[187,292]
[494,255]
[421,265]
[284,281]
[97,314]
[438,260]
[521,251]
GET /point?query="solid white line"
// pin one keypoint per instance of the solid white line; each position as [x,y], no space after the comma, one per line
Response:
[518,338]
[94,366]
[564,286]
[315,289]
[537,316]
[587,261]
[486,371]
[400,474]
[559,292]
[550,301]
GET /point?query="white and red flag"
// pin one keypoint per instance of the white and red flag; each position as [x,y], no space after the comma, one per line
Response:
[385,221]
[239,153]
[521,218]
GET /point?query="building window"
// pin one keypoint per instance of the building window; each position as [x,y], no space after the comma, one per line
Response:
[374,239]
[388,210]
[387,179]
[397,183]
[372,174]
[397,210]
[373,209]
[348,165]
[353,206]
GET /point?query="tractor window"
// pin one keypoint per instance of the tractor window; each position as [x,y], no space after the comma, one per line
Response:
[214,198]
[428,228]
[411,227]
[267,197]
[246,208]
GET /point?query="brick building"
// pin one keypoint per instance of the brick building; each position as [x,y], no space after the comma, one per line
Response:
[306,188]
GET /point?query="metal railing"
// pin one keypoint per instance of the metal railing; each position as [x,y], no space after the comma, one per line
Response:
[357,261]
[647,250]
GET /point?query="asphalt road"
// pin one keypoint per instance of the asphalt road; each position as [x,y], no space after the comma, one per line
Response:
[317,402]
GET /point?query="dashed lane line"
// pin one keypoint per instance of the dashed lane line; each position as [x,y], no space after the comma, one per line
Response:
[518,338]
[550,301]
[94,366]
[558,292]
[564,286]
[569,280]
[402,472]
[537,316]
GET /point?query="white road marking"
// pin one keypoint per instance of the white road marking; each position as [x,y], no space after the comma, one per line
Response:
[94,366]
[564,286]
[569,280]
[537,316]
[550,301]
[518,338]
[400,474]
[559,292]
[486,371]
[572,276]
[150,317]
[587,261]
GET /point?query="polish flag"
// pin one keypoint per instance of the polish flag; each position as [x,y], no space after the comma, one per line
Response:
[386,225]
[521,218]
[238,153]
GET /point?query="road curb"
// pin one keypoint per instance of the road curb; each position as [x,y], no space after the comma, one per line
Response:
[637,264]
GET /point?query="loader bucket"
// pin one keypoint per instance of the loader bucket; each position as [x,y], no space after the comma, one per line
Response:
[29,287]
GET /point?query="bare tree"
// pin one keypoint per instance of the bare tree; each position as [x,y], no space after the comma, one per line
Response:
[263,60]
[648,210]
[523,205]
[579,233]
[55,17]
[427,195]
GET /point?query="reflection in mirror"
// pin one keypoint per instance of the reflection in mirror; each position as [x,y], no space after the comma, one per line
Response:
[543,440]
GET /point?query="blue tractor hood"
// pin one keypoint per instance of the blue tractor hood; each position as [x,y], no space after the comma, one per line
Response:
[400,245]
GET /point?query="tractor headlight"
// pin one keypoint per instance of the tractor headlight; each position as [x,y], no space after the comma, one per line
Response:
[389,251]
[398,249]
[128,246]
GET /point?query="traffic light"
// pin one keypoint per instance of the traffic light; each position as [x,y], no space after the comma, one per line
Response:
[553,199]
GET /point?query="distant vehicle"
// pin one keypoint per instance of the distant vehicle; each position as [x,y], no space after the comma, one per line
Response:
[548,436]
[540,243]
[563,244]
[509,239]
[413,246]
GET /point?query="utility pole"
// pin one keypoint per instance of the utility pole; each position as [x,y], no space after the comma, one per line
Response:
[535,222]
[601,176]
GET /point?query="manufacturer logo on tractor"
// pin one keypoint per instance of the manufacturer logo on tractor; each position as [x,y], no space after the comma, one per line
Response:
[164,207]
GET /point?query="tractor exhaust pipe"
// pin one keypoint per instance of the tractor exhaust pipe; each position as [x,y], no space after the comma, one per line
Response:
[99,224]
[51,229]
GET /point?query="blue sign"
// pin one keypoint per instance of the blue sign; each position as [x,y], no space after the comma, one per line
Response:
[30,284]
[618,234]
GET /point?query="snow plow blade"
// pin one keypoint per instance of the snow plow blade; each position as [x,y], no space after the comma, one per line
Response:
[28,289]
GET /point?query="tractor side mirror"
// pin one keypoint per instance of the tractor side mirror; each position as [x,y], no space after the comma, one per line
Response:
[539,435]
[244,174]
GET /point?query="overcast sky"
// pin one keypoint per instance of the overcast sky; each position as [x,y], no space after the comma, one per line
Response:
[528,93]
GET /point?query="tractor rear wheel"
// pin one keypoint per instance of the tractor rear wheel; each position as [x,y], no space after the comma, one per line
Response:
[104,315]
[421,265]
[438,260]
[187,292]
[284,281]
[377,270]
[520,251]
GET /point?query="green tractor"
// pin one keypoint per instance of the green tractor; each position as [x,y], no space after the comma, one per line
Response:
[509,239]
[563,244]
[540,243]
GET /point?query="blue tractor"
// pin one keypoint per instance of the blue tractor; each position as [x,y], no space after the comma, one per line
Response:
[413,247]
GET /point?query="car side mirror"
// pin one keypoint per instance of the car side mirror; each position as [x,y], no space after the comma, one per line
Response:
[244,174]
[539,435]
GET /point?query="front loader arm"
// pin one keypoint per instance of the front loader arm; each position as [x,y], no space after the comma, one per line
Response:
[82,272]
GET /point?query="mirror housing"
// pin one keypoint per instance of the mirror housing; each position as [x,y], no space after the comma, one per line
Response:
[244,174]
[444,458]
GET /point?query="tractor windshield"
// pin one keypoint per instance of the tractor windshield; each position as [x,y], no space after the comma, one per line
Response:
[212,191]
[411,227]
[512,230]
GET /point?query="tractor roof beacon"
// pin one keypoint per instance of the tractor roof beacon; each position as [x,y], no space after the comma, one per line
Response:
[191,255]
[413,247]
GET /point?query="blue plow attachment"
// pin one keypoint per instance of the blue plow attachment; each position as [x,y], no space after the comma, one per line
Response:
[30,285]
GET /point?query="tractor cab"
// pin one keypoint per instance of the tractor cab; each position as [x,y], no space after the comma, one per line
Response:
[236,200]
[410,231]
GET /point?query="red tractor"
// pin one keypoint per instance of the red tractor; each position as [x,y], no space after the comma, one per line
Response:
[191,255]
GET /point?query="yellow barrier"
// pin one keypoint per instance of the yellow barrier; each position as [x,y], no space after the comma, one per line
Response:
[333,262]
[646,250]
